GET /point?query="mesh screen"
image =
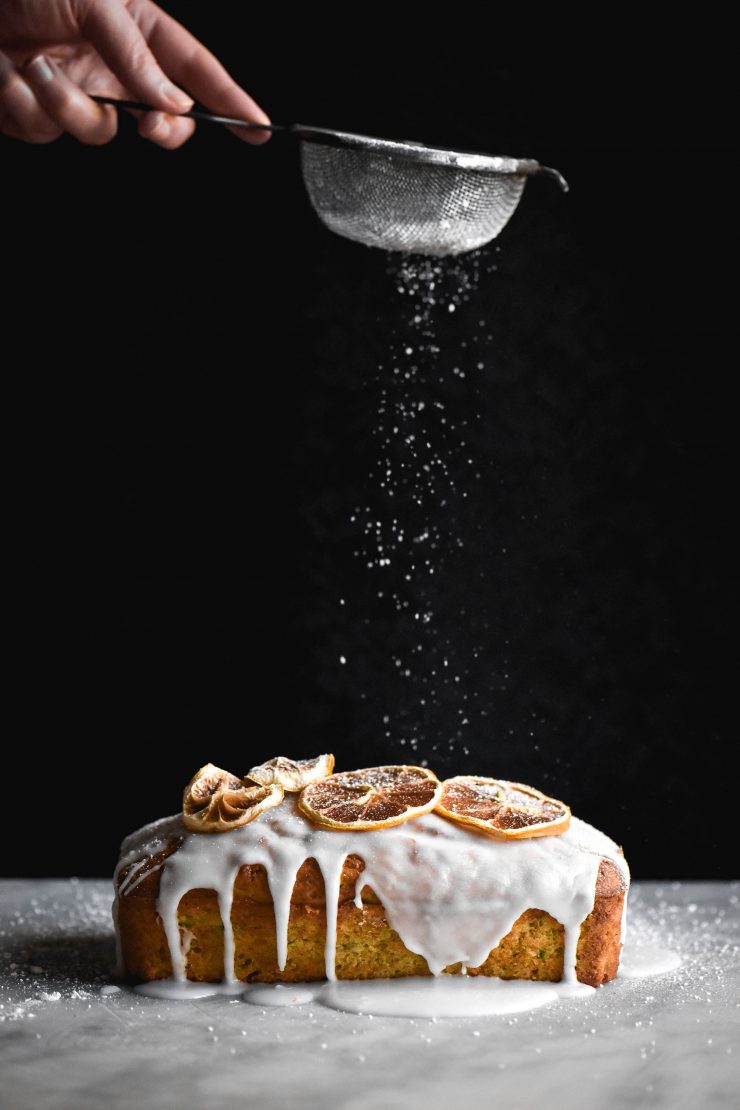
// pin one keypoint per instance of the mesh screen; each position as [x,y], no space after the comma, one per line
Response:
[400,205]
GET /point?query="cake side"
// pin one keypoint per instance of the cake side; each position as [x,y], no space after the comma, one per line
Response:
[367,947]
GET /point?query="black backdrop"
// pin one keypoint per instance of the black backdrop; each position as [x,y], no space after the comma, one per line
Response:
[194,387]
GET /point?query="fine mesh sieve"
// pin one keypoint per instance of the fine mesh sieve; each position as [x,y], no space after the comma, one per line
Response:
[410,197]
[400,196]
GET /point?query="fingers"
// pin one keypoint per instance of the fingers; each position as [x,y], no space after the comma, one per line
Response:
[114,34]
[21,114]
[41,103]
[165,130]
[67,106]
[194,67]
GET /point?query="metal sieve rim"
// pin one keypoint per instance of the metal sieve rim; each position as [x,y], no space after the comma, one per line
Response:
[426,155]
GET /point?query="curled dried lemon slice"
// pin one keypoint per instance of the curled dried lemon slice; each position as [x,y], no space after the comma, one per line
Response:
[216,801]
[506,810]
[292,774]
[374,798]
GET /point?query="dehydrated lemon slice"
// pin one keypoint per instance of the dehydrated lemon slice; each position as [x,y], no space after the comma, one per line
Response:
[506,810]
[215,801]
[374,798]
[292,774]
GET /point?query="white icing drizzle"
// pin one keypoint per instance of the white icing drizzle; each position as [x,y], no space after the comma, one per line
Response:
[145,842]
[450,892]
[225,900]
[132,873]
[127,888]
[331,864]
[187,939]
[281,881]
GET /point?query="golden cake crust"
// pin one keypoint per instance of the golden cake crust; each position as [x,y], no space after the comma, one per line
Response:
[367,947]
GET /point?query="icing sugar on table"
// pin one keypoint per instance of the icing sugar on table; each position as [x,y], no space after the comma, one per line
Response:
[666,1041]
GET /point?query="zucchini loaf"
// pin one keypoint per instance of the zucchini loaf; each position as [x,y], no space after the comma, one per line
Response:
[282,898]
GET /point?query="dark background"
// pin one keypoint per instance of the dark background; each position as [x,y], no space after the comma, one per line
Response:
[194,374]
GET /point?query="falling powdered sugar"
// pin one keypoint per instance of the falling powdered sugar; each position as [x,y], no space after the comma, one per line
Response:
[412,530]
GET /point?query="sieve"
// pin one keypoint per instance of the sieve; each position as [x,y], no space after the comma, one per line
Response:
[399,196]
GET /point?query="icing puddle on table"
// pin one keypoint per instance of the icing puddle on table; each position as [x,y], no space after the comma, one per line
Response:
[176,991]
[647,960]
[429,997]
[450,996]
[282,994]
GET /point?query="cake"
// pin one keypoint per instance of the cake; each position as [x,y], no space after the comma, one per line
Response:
[294,874]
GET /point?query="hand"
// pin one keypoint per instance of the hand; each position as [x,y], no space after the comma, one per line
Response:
[53,53]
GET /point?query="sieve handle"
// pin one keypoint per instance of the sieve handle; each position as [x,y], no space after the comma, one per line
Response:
[556,175]
[194,113]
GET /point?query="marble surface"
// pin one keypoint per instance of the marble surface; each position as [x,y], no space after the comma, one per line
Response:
[70,1039]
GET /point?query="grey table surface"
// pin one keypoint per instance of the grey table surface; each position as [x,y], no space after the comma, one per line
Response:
[68,1041]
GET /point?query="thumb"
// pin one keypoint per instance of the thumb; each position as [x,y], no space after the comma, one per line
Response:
[114,34]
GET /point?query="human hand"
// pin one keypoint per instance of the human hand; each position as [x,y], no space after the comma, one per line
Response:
[53,53]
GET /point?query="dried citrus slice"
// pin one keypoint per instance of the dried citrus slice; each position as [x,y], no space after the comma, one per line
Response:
[292,774]
[216,801]
[506,810]
[374,798]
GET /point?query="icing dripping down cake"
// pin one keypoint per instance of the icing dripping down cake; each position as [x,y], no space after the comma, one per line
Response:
[295,875]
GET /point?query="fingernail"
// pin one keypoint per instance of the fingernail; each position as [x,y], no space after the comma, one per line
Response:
[177,98]
[40,69]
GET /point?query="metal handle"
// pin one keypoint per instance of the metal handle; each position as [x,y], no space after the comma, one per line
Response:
[194,113]
[556,175]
